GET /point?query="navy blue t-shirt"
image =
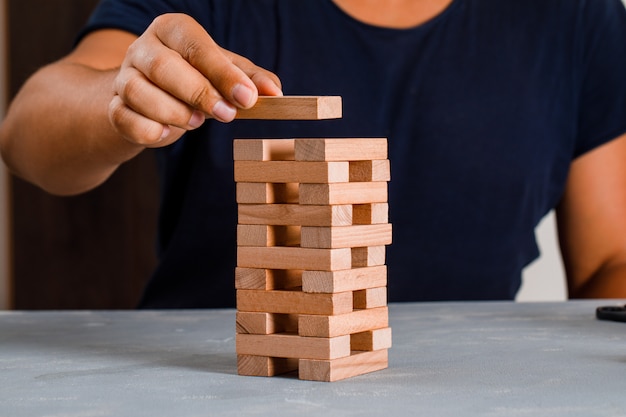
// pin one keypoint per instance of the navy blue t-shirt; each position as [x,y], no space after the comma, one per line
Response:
[484,106]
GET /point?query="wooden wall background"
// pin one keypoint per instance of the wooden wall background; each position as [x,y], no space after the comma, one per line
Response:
[93,251]
[5,284]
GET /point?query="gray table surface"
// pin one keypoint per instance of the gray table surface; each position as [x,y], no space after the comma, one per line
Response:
[448,359]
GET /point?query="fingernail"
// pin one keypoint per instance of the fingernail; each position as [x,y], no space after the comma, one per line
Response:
[197,119]
[224,111]
[243,95]
[166,131]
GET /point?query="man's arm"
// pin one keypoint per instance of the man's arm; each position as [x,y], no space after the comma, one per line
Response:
[75,121]
[57,133]
[592,223]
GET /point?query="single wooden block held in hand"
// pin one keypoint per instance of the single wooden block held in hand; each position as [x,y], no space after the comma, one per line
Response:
[293,108]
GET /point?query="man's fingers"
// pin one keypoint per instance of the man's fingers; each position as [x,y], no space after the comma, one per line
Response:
[139,129]
[168,71]
[174,75]
[145,98]
[217,77]
[267,83]
[231,76]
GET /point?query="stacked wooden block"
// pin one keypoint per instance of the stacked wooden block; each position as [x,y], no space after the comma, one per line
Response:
[311,276]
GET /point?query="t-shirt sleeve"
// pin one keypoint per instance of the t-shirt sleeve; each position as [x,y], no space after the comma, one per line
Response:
[602,73]
[135,16]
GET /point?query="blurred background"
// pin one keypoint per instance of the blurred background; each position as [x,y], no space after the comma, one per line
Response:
[94,251]
[90,251]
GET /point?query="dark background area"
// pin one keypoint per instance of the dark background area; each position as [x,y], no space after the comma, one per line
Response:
[93,251]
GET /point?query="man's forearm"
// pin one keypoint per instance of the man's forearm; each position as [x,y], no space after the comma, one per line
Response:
[57,133]
[609,282]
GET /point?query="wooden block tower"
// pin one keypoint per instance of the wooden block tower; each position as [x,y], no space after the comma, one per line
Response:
[311,276]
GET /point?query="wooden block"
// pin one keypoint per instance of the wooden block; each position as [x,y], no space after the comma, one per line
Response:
[263,149]
[294,302]
[267,193]
[370,298]
[291,171]
[267,279]
[347,280]
[293,108]
[368,256]
[332,326]
[262,235]
[266,323]
[294,258]
[376,213]
[344,193]
[340,149]
[250,365]
[292,346]
[348,367]
[345,236]
[371,340]
[295,214]
[371,170]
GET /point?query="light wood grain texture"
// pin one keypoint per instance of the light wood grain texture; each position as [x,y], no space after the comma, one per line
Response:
[292,346]
[370,298]
[294,258]
[335,370]
[250,365]
[294,302]
[353,322]
[368,256]
[267,279]
[348,149]
[371,340]
[370,170]
[375,213]
[266,323]
[345,236]
[267,193]
[262,235]
[347,280]
[293,108]
[344,193]
[295,214]
[263,149]
[292,171]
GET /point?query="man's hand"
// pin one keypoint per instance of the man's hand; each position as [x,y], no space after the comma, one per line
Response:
[174,76]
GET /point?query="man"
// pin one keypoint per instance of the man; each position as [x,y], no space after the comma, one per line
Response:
[496,112]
